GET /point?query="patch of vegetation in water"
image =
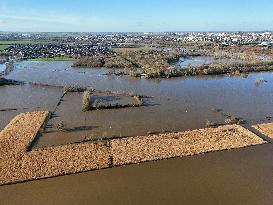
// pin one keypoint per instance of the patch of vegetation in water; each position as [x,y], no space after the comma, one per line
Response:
[107,100]
[86,100]
[160,63]
[74,88]
[113,61]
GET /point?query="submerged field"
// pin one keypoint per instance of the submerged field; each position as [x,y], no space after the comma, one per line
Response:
[173,105]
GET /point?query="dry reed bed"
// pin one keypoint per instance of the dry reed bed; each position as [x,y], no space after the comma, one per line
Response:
[140,149]
[265,129]
[17,164]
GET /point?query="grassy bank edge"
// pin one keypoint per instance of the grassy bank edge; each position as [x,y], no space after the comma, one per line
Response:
[66,58]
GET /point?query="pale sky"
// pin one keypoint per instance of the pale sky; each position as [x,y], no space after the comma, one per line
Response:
[135,15]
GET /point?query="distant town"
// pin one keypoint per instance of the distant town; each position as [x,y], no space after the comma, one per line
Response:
[51,45]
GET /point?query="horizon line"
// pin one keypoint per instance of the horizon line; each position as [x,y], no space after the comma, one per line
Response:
[194,31]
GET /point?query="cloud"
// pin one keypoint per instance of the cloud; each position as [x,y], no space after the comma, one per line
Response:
[52,20]
[2,22]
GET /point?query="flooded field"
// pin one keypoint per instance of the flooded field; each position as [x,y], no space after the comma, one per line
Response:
[227,177]
[185,62]
[26,98]
[176,105]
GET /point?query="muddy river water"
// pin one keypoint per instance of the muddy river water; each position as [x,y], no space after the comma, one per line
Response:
[177,104]
[243,176]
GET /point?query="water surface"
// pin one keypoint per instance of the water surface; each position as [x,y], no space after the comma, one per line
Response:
[241,176]
[185,62]
[177,104]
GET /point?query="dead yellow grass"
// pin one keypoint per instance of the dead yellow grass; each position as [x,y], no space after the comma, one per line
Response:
[140,149]
[17,164]
[266,129]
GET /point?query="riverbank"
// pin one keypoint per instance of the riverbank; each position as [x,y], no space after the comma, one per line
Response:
[65,58]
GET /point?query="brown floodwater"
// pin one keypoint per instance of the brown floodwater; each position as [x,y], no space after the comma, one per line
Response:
[15,99]
[237,177]
[177,104]
[240,176]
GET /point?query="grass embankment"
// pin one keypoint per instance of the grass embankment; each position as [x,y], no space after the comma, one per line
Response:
[63,58]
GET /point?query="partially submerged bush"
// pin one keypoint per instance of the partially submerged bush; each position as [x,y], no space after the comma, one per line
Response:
[139,101]
[258,81]
[111,61]
[89,61]
[117,73]
[211,124]
[9,67]
[74,88]
[86,100]
[101,103]
[117,62]
[232,120]
[60,126]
